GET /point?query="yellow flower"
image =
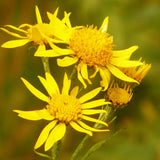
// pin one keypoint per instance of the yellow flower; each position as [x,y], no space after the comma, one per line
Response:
[40,34]
[137,73]
[62,109]
[121,93]
[119,96]
[91,47]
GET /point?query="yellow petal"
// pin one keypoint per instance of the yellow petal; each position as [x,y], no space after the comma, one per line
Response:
[84,72]
[80,129]
[56,134]
[41,48]
[35,115]
[15,43]
[55,51]
[66,61]
[95,73]
[105,75]
[35,91]
[91,128]
[13,34]
[80,77]
[66,19]
[56,12]
[44,114]
[44,134]
[50,15]
[119,74]
[89,95]
[25,25]
[125,63]
[29,115]
[126,53]
[46,86]
[17,29]
[104,25]
[66,85]
[38,15]
[93,111]
[45,53]
[93,104]
[93,120]
[52,84]
[74,91]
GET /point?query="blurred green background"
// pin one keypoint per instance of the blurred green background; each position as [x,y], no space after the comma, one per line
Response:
[131,22]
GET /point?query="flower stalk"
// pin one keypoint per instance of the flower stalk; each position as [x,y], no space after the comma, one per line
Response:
[45,61]
[103,117]
[79,148]
[55,151]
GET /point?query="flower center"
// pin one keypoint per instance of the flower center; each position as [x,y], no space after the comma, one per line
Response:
[36,33]
[64,108]
[92,46]
[119,96]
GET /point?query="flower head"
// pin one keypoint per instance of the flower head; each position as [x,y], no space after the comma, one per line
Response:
[40,34]
[62,109]
[119,96]
[121,93]
[91,47]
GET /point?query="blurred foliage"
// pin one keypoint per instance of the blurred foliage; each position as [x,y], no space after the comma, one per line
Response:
[134,22]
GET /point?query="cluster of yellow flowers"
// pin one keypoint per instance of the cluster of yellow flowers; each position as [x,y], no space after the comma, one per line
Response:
[87,47]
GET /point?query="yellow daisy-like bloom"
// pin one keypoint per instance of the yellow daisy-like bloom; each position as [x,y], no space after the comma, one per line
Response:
[91,47]
[62,109]
[137,73]
[119,96]
[40,34]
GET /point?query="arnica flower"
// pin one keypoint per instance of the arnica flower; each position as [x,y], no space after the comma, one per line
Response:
[62,109]
[137,73]
[120,93]
[119,96]
[92,47]
[40,34]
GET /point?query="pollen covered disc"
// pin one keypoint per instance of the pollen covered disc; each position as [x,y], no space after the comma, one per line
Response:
[119,96]
[92,46]
[64,108]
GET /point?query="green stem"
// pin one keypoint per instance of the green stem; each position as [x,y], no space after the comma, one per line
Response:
[45,62]
[103,117]
[80,147]
[55,152]
[72,73]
